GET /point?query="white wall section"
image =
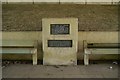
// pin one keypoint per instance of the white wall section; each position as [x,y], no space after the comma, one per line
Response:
[73,1]
[65,1]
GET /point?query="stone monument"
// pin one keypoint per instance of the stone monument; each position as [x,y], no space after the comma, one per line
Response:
[60,40]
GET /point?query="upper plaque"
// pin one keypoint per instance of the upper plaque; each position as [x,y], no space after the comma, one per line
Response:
[58,29]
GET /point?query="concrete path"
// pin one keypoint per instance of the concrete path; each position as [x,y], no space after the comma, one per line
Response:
[79,71]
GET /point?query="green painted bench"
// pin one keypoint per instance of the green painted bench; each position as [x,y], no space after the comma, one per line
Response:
[19,47]
[99,48]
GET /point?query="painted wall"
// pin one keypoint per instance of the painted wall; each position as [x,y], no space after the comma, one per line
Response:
[100,37]
[68,1]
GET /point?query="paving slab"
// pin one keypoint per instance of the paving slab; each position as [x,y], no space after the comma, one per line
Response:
[79,71]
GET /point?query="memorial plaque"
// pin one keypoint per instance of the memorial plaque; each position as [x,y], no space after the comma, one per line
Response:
[58,29]
[59,43]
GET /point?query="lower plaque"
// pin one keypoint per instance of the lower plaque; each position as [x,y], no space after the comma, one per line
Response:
[59,43]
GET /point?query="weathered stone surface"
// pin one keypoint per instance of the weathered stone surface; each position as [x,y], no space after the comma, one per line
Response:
[60,49]
[28,17]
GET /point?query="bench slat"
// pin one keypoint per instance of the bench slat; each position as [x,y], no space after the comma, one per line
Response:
[103,45]
[105,51]
[16,51]
[19,43]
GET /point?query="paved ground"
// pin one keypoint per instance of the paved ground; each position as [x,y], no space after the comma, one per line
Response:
[80,71]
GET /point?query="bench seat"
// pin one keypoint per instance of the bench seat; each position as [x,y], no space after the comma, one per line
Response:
[19,47]
[99,48]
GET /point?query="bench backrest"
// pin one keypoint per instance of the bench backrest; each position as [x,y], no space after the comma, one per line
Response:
[101,45]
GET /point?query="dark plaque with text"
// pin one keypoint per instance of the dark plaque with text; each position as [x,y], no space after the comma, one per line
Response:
[59,43]
[58,29]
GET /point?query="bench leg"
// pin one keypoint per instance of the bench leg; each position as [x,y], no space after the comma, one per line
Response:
[35,57]
[86,59]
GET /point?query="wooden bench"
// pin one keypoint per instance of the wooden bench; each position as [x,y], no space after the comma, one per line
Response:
[19,47]
[99,48]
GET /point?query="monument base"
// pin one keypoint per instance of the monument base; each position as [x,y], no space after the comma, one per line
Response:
[59,59]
